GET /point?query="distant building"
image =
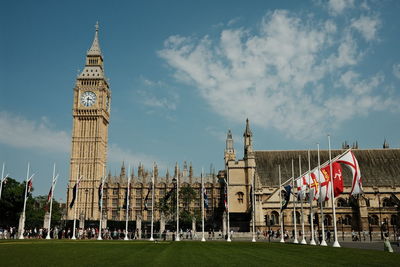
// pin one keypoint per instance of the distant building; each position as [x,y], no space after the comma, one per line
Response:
[378,208]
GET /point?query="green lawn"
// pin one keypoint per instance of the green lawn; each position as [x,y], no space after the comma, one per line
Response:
[144,253]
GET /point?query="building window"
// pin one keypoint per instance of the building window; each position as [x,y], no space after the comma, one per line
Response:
[115,191]
[240,197]
[347,220]
[138,192]
[115,202]
[327,220]
[374,220]
[387,202]
[274,218]
[394,220]
[341,202]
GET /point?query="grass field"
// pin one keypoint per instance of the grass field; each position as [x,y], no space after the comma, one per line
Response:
[145,253]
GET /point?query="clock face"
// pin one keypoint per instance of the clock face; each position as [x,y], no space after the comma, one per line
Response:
[88,98]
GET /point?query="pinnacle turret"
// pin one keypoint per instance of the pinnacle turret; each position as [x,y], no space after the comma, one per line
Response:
[95,48]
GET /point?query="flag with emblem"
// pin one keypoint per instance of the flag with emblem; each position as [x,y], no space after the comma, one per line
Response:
[351,162]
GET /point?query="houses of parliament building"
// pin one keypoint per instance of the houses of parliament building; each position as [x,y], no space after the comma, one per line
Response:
[376,211]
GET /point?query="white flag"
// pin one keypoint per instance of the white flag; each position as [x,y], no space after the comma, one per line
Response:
[350,161]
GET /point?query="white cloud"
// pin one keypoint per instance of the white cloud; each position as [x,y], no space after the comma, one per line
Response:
[396,70]
[155,95]
[19,132]
[277,76]
[336,7]
[367,26]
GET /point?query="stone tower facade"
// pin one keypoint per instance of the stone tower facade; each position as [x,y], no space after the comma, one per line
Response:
[91,116]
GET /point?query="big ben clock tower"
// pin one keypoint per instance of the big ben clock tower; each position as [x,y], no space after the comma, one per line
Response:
[91,116]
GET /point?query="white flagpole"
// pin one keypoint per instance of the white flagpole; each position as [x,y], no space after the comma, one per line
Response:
[127,203]
[302,194]
[253,209]
[177,238]
[21,235]
[152,205]
[312,242]
[3,178]
[227,204]
[101,204]
[280,202]
[295,241]
[202,207]
[323,242]
[53,184]
[76,204]
[336,243]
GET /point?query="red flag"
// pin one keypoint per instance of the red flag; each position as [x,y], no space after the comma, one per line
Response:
[29,185]
[337,178]
[50,195]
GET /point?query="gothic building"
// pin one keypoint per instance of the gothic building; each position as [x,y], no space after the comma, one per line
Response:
[377,210]
[91,116]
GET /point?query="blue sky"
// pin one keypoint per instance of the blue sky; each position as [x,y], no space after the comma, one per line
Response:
[183,72]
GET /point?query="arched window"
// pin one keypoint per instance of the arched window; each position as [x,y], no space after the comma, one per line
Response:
[340,202]
[374,220]
[327,220]
[240,197]
[347,220]
[387,202]
[394,220]
[274,218]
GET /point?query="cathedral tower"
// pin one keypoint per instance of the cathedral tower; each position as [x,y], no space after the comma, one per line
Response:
[91,116]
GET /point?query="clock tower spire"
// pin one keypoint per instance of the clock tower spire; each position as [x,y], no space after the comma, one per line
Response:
[91,116]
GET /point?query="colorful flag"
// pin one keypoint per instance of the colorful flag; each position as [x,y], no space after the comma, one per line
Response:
[205,198]
[286,196]
[30,185]
[225,196]
[351,162]
[314,185]
[147,197]
[337,179]
[50,195]
[100,194]
[302,186]
[74,190]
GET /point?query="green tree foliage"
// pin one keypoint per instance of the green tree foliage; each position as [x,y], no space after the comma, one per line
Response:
[11,205]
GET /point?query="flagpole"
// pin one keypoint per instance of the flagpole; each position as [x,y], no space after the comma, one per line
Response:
[21,236]
[76,204]
[103,179]
[312,242]
[127,203]
[295,241]
[51,199]
[336,243]
[253,209]
[280,202]
[177,238]
[302,194]
[152,205]
[202,207]
[3,178]
[227,208]
[323,242]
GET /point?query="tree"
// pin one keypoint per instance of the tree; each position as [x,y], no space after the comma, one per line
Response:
[11,203]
